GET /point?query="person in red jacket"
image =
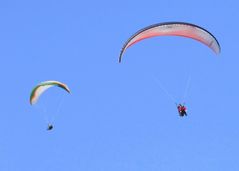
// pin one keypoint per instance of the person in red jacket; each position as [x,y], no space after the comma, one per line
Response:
[182,110]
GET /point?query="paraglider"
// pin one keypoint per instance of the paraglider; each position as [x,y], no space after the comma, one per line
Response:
[174,29]
[181,29]
[41,88]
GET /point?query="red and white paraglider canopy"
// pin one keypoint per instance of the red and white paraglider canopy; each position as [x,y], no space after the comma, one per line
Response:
[174,29]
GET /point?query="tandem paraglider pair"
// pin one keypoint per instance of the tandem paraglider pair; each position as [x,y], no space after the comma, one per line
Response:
[41,88]
[182,110]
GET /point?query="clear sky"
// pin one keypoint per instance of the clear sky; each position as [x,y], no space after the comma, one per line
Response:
[117,117]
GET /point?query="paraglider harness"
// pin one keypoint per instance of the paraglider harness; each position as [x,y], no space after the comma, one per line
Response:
[49,127]
[182,110]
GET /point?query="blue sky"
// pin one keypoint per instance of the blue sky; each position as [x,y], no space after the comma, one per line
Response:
[117,117]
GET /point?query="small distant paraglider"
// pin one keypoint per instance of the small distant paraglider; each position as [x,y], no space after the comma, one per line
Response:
[41,88]
[182,29]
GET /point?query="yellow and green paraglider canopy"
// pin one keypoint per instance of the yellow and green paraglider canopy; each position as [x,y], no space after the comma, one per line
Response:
[42,87]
